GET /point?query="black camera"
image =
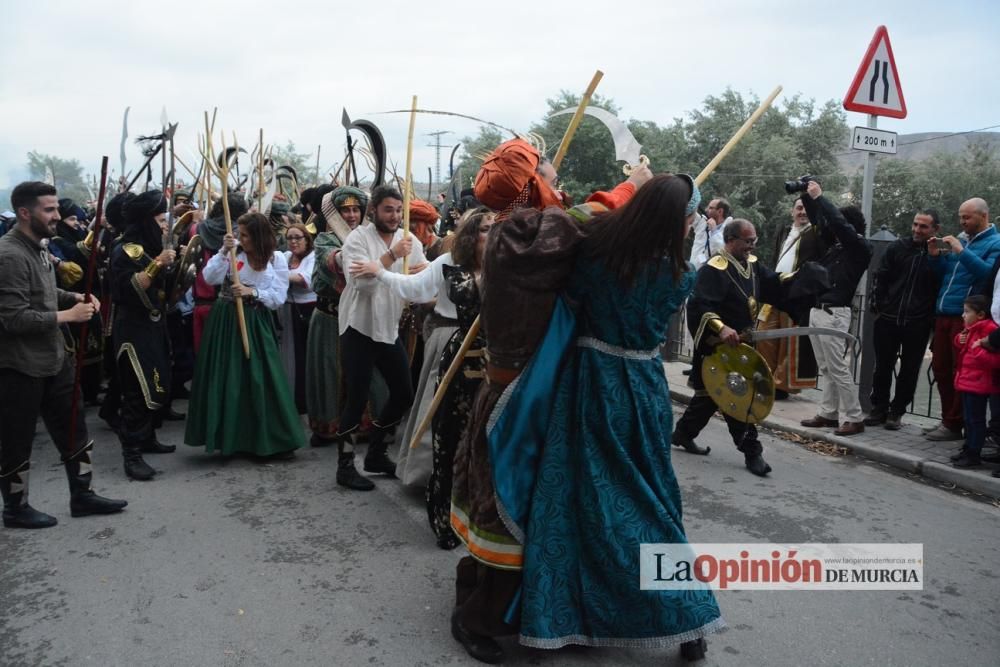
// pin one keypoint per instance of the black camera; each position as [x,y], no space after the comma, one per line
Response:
[798,185]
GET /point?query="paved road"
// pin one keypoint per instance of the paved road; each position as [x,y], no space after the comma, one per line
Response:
[235,563]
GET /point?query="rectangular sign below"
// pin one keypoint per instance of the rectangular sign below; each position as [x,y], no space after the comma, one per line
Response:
[874,141]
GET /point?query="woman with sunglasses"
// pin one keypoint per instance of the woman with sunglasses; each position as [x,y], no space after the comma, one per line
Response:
[298,309]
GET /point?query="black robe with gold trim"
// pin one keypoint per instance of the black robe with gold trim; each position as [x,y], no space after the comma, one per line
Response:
[140,326]
[727,293]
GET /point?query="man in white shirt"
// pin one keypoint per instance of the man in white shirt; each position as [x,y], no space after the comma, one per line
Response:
[708,231]
[369,335]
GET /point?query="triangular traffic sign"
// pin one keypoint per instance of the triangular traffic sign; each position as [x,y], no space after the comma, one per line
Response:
[875,89]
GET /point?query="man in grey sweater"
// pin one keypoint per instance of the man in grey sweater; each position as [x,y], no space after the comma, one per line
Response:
[36,374]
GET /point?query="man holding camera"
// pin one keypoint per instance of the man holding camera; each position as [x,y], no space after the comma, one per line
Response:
[902,300]
[846,260]
[964,269]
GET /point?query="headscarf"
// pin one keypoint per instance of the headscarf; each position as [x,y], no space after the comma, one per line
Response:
[140,225]
[423,217]
[508,180]
[333,201]
[113,211]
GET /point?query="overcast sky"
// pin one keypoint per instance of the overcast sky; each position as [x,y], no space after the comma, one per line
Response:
[71,68]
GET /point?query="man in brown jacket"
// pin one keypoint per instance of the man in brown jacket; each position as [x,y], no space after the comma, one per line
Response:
[36,374]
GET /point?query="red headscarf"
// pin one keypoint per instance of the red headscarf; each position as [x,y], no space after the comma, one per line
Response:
[508,179]
[423,216]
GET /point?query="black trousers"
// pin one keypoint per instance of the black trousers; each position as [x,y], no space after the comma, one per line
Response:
[23,399]
[908,342]
[360,355]
[137,419]
[696,417]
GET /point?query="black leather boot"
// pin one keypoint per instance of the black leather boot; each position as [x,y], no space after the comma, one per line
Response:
[681,440]
[82,499]
[347,474]
[694,650]
[482,648]
[757,465]
[135,467]
[376,460]
[17,513]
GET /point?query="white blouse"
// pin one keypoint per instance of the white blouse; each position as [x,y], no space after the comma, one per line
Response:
[424,286]
[271,283]
[297,294]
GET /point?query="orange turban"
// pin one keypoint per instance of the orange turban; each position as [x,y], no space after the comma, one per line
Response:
[508,178]
[423,216]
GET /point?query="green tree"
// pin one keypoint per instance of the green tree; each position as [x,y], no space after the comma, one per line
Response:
[474,151]
[302,163]
[68,175]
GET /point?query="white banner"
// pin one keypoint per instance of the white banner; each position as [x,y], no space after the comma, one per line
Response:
[782,567]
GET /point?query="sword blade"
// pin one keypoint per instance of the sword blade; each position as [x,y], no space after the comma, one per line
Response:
[793,332]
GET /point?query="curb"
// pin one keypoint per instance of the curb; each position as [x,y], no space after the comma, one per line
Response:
[963,479]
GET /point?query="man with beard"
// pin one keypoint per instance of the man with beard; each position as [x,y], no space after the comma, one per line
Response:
[141,340]
[36,375]
[369,333]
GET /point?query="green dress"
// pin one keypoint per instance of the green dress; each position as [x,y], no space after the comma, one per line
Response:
[239,404]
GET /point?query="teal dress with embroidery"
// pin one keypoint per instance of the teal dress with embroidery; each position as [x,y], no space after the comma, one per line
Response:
[604,483]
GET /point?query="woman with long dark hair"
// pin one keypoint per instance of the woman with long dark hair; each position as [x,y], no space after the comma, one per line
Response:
[239,404]
[604,483]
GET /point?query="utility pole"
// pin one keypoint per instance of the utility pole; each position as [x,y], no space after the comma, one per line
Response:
[437,152]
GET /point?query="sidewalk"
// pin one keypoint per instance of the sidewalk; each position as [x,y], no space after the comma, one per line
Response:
[905,449]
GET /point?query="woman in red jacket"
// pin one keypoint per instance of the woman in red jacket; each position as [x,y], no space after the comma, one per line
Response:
[976,371]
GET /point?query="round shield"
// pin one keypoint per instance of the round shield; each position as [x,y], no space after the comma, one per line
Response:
[191,263]
[740,382]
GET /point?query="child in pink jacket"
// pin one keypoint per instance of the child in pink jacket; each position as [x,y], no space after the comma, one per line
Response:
[975,377]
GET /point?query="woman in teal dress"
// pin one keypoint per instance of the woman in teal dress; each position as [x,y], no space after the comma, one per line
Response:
[603,482]
[239,404]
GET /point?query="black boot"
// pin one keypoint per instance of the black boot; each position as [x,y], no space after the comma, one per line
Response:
[17,513]
[82,499]
[694,650]
[347,474]
[681,440]
[482,648]
[376,460]
[135,467]
[154,446]
[757,465]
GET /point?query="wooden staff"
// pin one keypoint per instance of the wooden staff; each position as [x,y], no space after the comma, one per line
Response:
[222,171]
[710,167]
[88,291]
[575,121]
[409,182]
[474,329]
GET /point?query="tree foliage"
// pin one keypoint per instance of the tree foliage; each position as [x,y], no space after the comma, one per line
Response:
[68,175]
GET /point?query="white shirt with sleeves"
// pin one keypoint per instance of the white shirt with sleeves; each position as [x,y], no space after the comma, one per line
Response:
[368,305]
[271,283]
[424,286]
[297,294]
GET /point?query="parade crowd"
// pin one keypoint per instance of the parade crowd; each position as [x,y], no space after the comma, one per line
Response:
[503,355]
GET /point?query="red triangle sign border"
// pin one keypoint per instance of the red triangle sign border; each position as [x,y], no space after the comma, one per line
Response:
[881,33]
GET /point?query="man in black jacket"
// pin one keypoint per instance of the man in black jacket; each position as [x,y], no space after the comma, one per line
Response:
[903,300]
[846,261]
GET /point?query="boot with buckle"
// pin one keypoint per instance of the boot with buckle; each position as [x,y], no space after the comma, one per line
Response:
[82,499]
[17,513]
